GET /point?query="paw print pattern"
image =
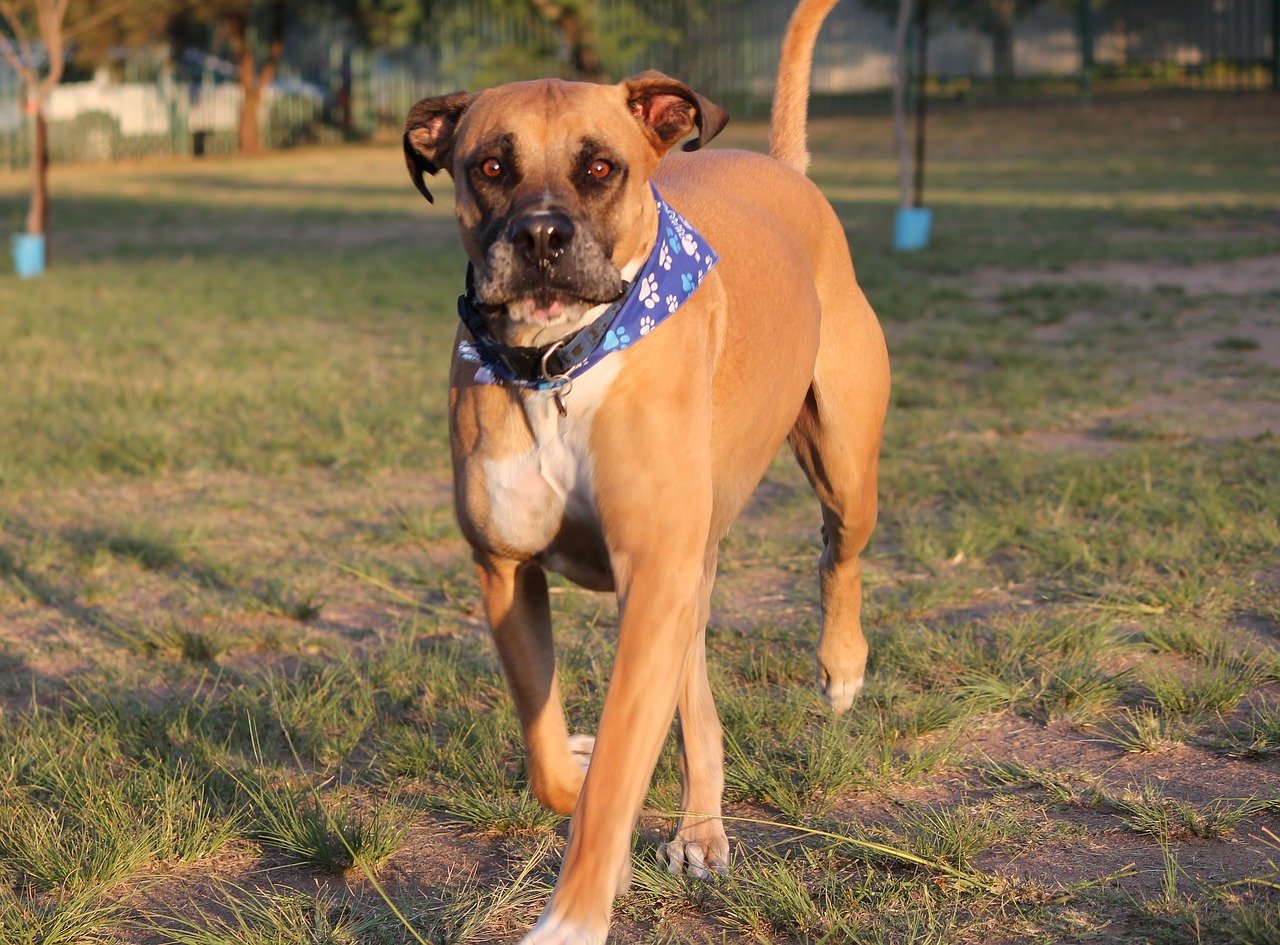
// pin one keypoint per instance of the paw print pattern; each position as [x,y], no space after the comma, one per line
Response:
[690,247]
[664,256]
[673,303]
[686,281]
[646,324]
[616,338]
[649,291]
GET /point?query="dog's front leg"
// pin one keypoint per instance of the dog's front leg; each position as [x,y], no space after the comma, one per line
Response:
[515,601]
[659,623]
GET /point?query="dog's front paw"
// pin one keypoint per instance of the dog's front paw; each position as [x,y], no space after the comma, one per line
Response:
[702,852]
[553,930]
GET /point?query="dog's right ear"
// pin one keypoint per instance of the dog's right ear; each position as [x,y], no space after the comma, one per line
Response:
[428,135]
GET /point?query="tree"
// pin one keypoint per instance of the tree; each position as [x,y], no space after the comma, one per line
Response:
[254,32]
[35,43]
[573,21]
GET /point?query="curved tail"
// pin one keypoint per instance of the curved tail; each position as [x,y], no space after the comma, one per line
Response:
[788,141]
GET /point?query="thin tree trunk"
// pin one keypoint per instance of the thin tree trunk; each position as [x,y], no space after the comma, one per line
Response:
[1003,14]
[38,211]
[900,80]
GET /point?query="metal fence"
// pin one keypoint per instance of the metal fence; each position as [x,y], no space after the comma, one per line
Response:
[727,48]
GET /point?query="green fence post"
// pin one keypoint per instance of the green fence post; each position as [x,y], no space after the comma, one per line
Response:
[1086,49]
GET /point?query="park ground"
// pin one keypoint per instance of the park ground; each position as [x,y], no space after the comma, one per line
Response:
[246,693]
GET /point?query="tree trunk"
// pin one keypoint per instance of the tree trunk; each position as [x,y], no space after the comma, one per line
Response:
[1003,13]
[250,132]
[255,82]
[38,212]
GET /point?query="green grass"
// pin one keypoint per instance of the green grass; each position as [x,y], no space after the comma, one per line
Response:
[243,663]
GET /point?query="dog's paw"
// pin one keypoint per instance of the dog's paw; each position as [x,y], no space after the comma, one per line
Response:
[553,930]
[839,693]
[704,857]
[580,747]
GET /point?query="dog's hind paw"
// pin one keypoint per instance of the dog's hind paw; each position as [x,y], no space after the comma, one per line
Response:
[839,693]
[580,747]
[705,858]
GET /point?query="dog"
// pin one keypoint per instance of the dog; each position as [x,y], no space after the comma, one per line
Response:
[609,420]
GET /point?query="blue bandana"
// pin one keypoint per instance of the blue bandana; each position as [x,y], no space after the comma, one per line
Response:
[679,263]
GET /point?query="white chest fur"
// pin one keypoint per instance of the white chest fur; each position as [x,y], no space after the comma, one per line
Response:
[531,494]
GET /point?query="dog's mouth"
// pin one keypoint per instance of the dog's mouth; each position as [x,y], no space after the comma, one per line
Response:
[546,305]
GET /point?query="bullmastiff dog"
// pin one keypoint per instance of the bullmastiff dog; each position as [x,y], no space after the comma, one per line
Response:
[643,327]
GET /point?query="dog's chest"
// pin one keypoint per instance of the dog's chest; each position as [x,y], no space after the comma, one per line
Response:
[531,496]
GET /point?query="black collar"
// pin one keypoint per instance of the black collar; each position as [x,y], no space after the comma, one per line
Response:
[547,363]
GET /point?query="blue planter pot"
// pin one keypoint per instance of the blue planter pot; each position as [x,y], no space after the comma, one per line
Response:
[911,228]
[28,254]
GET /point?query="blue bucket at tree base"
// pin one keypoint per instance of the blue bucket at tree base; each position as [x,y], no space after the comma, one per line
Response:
[28,254]
[911,228]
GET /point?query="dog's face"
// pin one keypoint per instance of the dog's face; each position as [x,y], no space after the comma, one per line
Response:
[551,178]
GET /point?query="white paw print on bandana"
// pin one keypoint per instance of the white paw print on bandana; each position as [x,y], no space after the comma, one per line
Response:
[646,325]
[664,256]
[690,247]
[485,376]
[649,291]
[673,303]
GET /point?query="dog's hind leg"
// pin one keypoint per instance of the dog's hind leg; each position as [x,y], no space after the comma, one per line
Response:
[836,439]
[519,613]
[699,846]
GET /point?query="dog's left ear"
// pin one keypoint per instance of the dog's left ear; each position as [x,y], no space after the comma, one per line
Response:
[670,110]
[428,135]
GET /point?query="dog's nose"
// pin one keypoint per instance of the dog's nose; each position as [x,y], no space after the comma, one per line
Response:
[542,237]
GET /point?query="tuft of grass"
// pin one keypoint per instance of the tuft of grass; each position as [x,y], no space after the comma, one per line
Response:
[1144,730]
[324,709]
[1149,810]
[292,820]
[1182,638]
[954,835]
[169,637]
[1255,923]
[1255,737]
[84,816]
[267,916]
[79,919]
[279,597]
[767,897]
[1207,694]
[794,762]
[509,811]
[1059,784]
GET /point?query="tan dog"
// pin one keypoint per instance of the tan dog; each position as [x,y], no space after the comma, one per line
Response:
[631,487]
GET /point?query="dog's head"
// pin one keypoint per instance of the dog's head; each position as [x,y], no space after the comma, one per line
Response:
[551,180]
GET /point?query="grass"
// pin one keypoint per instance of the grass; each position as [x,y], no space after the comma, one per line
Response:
[242,658]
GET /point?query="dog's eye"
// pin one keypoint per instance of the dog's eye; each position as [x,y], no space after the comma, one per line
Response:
[492,168]
[600,169]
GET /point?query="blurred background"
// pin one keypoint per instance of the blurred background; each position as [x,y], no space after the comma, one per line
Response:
[243,663]
[152,77]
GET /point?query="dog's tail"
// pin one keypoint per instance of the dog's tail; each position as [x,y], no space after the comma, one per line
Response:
[788,141]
